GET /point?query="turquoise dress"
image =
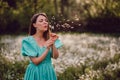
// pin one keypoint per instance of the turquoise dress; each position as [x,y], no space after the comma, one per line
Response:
[44,70]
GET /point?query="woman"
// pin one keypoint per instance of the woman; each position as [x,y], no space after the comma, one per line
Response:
[40,46]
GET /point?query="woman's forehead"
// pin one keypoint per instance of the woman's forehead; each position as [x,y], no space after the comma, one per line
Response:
[41,17]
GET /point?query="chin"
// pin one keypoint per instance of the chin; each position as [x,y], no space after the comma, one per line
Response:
[44,30]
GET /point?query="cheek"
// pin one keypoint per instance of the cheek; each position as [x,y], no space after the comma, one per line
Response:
[39,25]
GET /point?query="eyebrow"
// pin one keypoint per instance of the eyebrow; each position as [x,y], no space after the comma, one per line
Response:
[43,19]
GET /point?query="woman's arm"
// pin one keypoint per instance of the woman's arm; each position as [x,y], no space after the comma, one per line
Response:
[37,60]
[55,53]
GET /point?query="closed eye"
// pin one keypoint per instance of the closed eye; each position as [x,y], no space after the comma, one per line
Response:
[43,20]
[46,20]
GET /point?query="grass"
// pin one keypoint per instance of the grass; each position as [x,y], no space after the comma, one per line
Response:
[84,56]
[12,71]
[98,71]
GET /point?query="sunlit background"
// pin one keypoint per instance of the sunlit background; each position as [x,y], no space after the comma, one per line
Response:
[89,30]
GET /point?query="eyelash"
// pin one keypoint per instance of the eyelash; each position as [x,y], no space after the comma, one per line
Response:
[42,20]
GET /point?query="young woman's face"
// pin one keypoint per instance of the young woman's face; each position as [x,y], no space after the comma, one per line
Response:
[41,23]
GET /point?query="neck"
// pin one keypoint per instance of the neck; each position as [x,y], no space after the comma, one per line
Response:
[39,35]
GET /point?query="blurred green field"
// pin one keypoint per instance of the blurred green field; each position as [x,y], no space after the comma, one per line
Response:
[84,56]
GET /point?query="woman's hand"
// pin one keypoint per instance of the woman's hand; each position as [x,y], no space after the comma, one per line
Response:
[53,36]
[49,43]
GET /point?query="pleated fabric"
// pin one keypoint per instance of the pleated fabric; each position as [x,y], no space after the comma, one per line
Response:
[45,69]
[40,72]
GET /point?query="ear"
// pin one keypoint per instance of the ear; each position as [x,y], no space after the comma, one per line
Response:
[34,25]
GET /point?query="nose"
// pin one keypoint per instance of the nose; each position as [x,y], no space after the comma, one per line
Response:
[45,22]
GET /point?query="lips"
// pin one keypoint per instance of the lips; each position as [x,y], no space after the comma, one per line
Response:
[45,26]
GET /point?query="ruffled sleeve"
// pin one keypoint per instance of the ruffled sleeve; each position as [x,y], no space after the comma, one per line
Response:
[27,48]
[58,43]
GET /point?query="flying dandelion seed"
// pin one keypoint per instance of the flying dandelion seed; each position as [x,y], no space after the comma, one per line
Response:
[63,19]
[53,18]
[71,27]
[67,20]
[57,25]
[51,27]
[79,24]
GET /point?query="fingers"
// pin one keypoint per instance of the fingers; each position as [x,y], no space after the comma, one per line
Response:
[53,36]
[49,43]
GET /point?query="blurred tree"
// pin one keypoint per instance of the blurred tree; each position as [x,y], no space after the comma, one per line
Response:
[56,6]
[12,11]
[64,5]
[35,5]
[11,3]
